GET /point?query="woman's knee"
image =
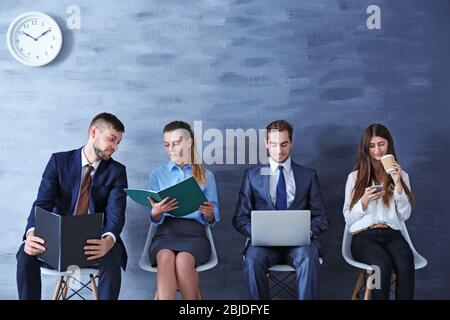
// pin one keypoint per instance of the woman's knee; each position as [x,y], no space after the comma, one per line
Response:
[184,263]
[165,257]
[405,261]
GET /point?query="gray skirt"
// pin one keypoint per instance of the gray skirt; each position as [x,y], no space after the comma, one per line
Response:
[181,235]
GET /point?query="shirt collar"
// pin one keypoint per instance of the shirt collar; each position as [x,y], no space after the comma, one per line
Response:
[170,165]
[274,165]
[85,161]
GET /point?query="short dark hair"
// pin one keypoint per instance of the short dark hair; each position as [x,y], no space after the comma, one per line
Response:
[280,125]
[174,125]
[110,119]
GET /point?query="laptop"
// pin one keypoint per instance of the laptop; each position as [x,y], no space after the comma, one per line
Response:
[281,227]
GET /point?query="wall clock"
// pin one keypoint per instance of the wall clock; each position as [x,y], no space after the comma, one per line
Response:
[34,39]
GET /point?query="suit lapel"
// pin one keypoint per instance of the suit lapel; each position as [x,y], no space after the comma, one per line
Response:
[297,180]
[75,177]
[97,181]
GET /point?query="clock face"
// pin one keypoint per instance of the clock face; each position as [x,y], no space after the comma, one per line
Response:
[34,39]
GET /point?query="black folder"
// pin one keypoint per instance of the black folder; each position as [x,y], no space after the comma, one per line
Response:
[65,237]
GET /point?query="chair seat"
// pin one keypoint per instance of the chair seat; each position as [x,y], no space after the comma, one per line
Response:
[286,267]
[282,268]
[144,261]
[82,271]
[419,262]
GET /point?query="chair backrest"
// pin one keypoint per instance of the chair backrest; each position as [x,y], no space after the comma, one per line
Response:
[144,261]
[419,261]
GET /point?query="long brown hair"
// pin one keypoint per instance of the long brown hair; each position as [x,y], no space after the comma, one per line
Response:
[198,172]
[366,170]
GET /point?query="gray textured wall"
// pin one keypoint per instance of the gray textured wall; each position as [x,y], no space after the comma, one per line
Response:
[235,64]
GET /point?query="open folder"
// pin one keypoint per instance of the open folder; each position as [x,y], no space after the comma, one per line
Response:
[65,237]
[188,194]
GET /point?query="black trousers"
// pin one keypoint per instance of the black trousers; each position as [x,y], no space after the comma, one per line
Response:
[29,275]
[387,249]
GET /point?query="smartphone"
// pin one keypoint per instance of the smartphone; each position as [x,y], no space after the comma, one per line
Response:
[378,187]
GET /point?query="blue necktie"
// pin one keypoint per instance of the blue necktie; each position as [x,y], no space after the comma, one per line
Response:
[281,203]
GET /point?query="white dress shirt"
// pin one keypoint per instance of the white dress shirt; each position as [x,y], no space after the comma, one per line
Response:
[399,208]
[288,177]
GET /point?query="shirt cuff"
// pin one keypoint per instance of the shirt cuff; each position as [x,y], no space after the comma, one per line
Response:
[28,231]
[160,221]
[400,197]
[358,210]
[109,234]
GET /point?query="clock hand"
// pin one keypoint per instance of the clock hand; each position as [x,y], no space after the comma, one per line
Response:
[29,35]
[43,34]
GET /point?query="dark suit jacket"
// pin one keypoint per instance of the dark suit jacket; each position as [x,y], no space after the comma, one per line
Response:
[254,195]
[60,185]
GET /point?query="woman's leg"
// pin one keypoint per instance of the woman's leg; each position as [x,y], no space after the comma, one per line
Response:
[187,276]
[367,249]
[403,261]
[166,278]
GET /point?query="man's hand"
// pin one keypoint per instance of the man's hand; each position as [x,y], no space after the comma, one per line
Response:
[96,248]
[33,244]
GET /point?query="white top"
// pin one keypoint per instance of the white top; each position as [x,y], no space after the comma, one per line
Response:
[399,208]
[288,177]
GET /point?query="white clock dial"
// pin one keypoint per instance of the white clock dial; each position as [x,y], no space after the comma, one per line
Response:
[34,39]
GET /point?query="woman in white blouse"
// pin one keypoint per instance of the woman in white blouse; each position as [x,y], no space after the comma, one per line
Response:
[375,217]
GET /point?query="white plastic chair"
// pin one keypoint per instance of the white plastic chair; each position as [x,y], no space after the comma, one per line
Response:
[65,277]
[419,262]
[144,262]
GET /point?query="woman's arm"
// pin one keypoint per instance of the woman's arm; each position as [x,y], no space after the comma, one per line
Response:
[210,210]
[402,204]
[357,212]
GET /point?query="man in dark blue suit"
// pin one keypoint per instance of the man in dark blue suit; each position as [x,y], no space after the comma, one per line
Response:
[82,181]
[281,185]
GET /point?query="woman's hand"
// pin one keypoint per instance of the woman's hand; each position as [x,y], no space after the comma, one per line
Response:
[370,194]
[165,205]
[396,176]
[207,209]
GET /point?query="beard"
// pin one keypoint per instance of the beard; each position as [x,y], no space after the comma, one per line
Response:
[101,153]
